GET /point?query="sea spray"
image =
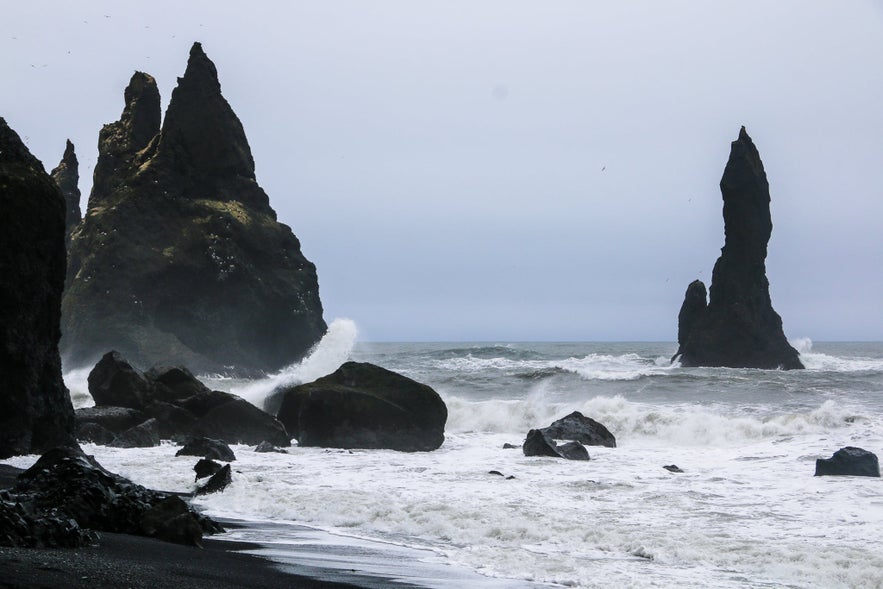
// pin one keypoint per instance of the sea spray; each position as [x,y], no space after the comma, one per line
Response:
[327,356]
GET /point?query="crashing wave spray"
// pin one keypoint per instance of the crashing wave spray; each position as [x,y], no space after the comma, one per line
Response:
[332,350]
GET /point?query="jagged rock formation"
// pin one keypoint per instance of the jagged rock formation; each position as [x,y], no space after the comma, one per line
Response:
[66,495]
[135,409]
[35,407]
[180,258]
[361,405]
[67,177]
[738,326]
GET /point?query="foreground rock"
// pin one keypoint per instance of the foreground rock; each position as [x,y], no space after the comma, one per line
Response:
[538,443]
[738,326]
[180,257]
[849,461]
[35,408]
[67,178]
[67,494]
[582,429]
[361,405]
[168,403]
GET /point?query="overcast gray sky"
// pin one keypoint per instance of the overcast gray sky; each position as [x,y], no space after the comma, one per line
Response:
[501,170]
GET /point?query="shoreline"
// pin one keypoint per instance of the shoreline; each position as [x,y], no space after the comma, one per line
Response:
[138,562]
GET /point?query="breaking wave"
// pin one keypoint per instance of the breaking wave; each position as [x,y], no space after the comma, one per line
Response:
[326,356]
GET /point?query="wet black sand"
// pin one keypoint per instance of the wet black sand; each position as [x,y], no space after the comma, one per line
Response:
[121,561]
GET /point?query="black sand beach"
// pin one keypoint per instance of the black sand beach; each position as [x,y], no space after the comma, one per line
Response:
[121,560]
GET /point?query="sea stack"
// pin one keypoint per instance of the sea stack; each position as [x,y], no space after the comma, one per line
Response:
[35,407]
[737,327]
[180,258]
[67,177]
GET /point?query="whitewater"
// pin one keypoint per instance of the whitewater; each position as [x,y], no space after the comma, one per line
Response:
[746,512]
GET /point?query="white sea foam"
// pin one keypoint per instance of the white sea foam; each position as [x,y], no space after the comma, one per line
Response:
[748,514]
[77,383]
[818,361]
[632,422]
[326,356]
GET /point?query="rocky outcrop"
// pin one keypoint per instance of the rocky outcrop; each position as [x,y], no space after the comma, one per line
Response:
[67,177]
[539,443]
[168,403]
[180,258]
[849,461]
[737,327]
[579,428]
[35,407]
[361,405]
[217,483]
[67,494]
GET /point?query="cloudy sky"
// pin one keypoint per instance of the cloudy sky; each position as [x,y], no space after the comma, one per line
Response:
[504,170]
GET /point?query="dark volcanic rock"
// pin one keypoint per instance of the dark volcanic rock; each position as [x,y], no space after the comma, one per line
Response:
[35,407]
[738,327]
[95,434]
[179,405]
[205,468]
[114,382]
[239,422]
[67,177]
[539,443]
[144,435]
[573,451]
[673,468]
[849,461]
[218,482]
[207,448]
[180,257]
[68,486]
[361,405]
[114,419]
[582,429]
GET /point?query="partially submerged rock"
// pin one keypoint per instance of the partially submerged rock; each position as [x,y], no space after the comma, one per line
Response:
[849,461]
[361,405]
[737,327]
[539,443]
[205,467]
[177,403]
[35,408]
[180,257]
[207,448]
[217,483]
[582,429]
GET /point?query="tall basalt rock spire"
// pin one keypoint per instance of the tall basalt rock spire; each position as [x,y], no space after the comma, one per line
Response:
[738,327]
[180,259]
[35,407]
[120,142]
[67,177]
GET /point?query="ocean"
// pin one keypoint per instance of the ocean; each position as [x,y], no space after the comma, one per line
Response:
[746,512]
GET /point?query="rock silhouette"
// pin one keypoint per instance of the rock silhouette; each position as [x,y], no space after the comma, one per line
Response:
[738,326]
[67,176]
[361,405]
[180,258]
[35,408]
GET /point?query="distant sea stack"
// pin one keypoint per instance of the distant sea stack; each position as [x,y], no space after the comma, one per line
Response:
[737,327]
[67,177]
[35,407]
[180,258]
